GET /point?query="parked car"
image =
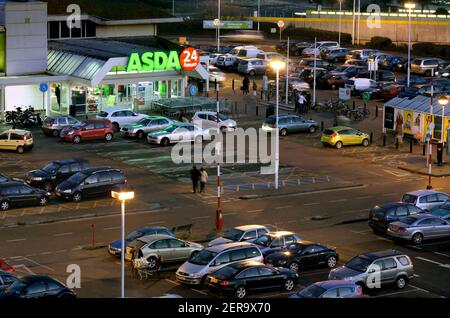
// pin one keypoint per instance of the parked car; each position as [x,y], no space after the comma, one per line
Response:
[5,267]
[35,286]
[100,129]
[395,64]
[344,136]
[384,76]
[275,241]
[178,132]
[356,62]
[115,248]
[90,183]
[417,228]
[120,117]
[303,254]
[240,279]
[393,267]
[252,66]
[414,80]
[15,193]
[330,289]
[444,73]
[53,125]
[348,71]
[213,258]
[213,58]
[216,75]
[309,62]
[270,56]
[244,233]
[246,51]
[382,215]
[307,74]
[329,81]
[425,65]
[357,85]
[295,85]
[319,45]
[442,211]
[288,124]
[362,54]
[379,58]
[335,54]
[390,91]
[16,140]
[145,125]
[426,199]
[6,280]
[208,120]
[153,251]
[56,172]
[226,61]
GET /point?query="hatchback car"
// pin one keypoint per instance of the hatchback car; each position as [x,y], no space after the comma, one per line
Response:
[244,233]
[344,136]
[240,278]
[252,66]
[144,126]
[330,289]
[213,258]
[382,215]
[90,183]
[426,199]
[208,120]
[53,125]
[56,172]
[417,228]
[178,132]
[153,251]
[89,130]
[15,193]
[16,140]
[290,124]
[6,280]
[120,117]
[35,286]
[375,269]
[303,254]
[442,211]
[425,65]
[275,241]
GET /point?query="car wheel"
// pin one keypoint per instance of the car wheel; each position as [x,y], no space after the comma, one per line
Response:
[312,129]
[289,284]
[76,139]
[4,205]
[20,149]
[365,143]
[109,137]
[331,262]
[55,133]
[116,127]
[417,238]
[339,145]
[241,292]
[152,262]
[43,201]
[77,197]
[252,73]
[140,134]
[165,142]
[283,132]
[294,266]
[400,282]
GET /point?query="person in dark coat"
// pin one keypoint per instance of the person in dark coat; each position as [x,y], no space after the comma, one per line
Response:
[58,95]
[195,177]
[245,85]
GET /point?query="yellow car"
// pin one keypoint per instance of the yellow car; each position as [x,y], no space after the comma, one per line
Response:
[344,136]
[16,140]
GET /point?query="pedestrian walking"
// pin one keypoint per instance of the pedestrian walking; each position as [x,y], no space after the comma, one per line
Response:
[203,179]
[195,177]
[302,102]
[296,102]
[255,88]
[265,86]
[245,85]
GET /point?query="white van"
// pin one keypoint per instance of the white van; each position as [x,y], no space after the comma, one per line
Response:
[359,84]
[245,51]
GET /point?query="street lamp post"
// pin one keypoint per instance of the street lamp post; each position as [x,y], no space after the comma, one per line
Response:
[259,11]
[277,65]
[353,23]
[410,7]
[122,193]
[443,101]
[218,27]
[431,128]
[340,20]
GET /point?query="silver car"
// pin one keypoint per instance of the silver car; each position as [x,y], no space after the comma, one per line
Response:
[417,228]
[145,126]
[252,66]
[244,233]
[425,65]
[53,125]
[425,199]
[374,269]
[178,132]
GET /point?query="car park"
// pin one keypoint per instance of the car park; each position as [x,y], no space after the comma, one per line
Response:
[95,182]
[330,289]
[417,228]
[425,199]
[53,125]
[344,136]
[302,255]
[442,211]
[425,65]
[252,66]
[389,266]
[288,124]
[56,172]
[382,215]
[240,279]
[208,120]
[244,233]
[15,194]
[16,140]
[100,129]
[144,126]
[120,117]
[6,280]
[178,132]
[213,258]
[275,241]
[36,286]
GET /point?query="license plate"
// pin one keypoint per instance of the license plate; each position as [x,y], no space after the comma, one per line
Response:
[213,280]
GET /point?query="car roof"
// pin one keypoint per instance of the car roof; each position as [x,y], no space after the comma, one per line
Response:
[249,227]
[153,237]
[422,192]
[392,204]
[422,216]
[327,284]
[68,161]
[280,233]
[339,128]
[113,109]
[245,264]
[381,254]
[228,246]
[93,170]
[11,183]
[31,278]
[17,131]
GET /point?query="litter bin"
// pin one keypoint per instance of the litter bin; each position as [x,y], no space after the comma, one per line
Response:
[440,153]
[73,110]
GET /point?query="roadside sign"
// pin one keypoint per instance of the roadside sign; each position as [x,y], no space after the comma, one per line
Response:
[43,87]
[273,30]
[280,24]
[189,59]
[193,90]
[344,93]
[228,24]
[366,96]
[372,65]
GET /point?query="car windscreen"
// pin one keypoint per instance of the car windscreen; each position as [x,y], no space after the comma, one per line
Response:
[133,235]
[102,114]
[409,198]
[226,272]
[270,121]
[77,178]
[143,121]
[51,167]
[378,212]
[358,263]
[233,234]
[312,291]
[328,132]
[15,287]
[170,128]
[204,257]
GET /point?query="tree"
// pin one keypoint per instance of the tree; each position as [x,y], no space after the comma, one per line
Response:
[441,11]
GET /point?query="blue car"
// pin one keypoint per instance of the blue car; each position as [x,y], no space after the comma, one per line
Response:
[330,289]
[115,247]
[442,211]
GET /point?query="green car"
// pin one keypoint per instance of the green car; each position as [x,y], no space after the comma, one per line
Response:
[145,126]
[344,136]
[290,124]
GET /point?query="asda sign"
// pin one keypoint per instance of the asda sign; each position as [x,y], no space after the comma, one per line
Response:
[162,61]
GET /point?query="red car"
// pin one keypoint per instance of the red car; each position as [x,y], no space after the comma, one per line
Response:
[97,129]
[390,91]
[4,266]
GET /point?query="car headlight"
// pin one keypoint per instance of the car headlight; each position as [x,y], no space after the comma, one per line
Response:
[445,74]
[37,178]
[70,132]
[282,262]
[67,191]
[195,275]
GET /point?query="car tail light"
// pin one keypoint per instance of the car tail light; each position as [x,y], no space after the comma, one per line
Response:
[359,291]
[224,283]
[401,229]
[274,126]
[25,138]
[334,135]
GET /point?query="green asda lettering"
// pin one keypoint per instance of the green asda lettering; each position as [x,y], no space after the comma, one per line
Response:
[154,61]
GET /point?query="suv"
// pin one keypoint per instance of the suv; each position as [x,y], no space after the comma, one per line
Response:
[252,66]
[290,124]
[90,183]
[208,120]
[53,125]
[244,233]
[89,130]
[425,65]
[16,140]
[319,46]
[210,259]
[16,193]
[56,172]
[381,215]
[374,269]
[120,117]
[425,199]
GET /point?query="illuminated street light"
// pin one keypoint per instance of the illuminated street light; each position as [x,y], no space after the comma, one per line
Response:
[443,101]
[410,6]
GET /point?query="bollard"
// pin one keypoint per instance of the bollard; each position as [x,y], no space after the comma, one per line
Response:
[354,106]
[371,137]
[93,234]
[235,108]
[411,146]
[423,150]
[376,111]
[215,84]
[384,140]
[232,85]
[245,108]
[321,125]
[257,110]
[396,143]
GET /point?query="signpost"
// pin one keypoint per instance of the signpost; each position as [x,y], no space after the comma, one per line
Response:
[281,26]
[188,60]
[43,87]
[229,25]
[366,96]
[344,94]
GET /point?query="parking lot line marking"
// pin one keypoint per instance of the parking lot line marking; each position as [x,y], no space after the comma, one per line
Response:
[255,211]
[178,284]
[433,262]
[231,213]
[111,228]
[201,217]
[156,222]
[341,200]
[16,240]
[283,207]
[61,251]
[418,288]
[314,203]
[396,293]
[45,253]
[431,244]
[38,264]
[63,234]
[416,247]
[442,254]
[389,194]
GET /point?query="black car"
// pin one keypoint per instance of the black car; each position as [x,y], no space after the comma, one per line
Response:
[16,193]
[243,277]
[56,172]
[35,286]
[90,183]
[303,254]
[6,280]
[381,215]
[4,178]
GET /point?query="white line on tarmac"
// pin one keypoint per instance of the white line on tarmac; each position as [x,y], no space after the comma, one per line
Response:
[416,247]
[255,211]
[61,251]
[442,254]
[314,203]
[201,217]
[111,228]
[433,262]
[63,234]
[283,207]
[178,284]
[389,194]
[156,222]
[341,200]
[16,240]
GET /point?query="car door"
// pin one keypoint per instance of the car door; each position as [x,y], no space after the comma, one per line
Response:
[309,256]
[15,140]
[432,201]
[163,250]
[220,261]
[104,183]
[99,130]
[90,185]
[180,251]
[249,277]
[13,193]
[88,132]
[426,227]
[36,290]
[389,270]
[211,122]
[52,289]
[400,212]
[27,195]
[4,141]
[440,228]
[269,278]
[347,291]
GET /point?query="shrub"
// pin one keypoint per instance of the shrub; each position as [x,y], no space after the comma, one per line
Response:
[380,43]
[441,11]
